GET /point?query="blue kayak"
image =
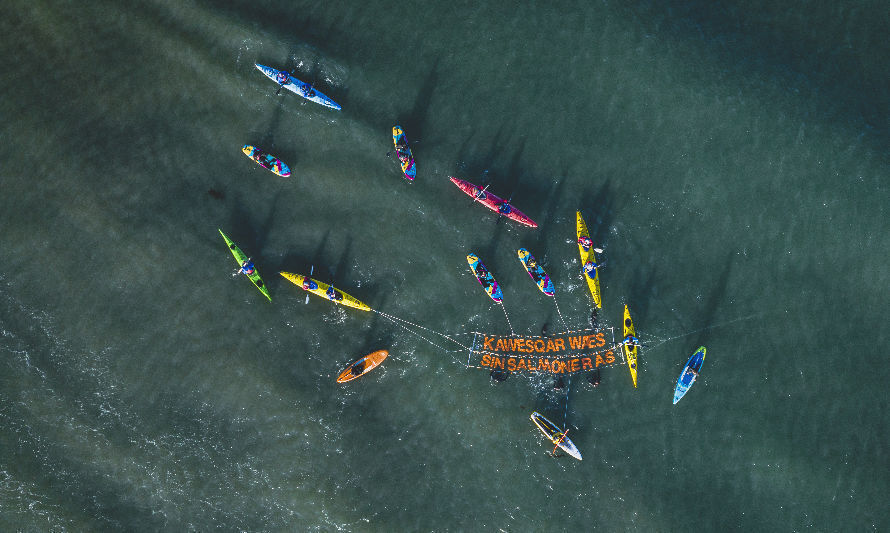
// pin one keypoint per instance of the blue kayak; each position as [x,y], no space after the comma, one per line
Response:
[297,87]
[690,372]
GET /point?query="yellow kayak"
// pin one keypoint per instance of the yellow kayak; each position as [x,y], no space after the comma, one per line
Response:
[588,255]
[630,350]
[321,289]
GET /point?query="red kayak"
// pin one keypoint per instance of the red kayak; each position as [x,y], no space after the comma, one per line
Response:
[498,205]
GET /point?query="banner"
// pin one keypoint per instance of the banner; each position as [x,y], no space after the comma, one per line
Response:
[561,353]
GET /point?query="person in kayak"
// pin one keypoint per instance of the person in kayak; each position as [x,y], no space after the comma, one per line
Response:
[590,269]
[633,341]
[691,373]
[504,209]
[307,90]
[282,78]
[309,285]
[358,368]
[587,244]
[247,267]
[332,294]
[480,193]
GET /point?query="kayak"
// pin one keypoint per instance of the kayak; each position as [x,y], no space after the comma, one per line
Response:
[684,383]
[402,149]
[320,289]
[557,436]
[588,255]
[362,366]
[266,161]
[241,257]
[630,350]
[485,278]
[535,271]
[298,87]
[493,202]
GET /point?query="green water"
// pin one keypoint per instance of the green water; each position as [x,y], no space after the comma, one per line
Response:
[730,156]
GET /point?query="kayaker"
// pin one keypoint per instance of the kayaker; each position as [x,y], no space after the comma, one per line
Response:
[587,244]
[691,372]
[332,294]
[247,267]
[504,209]
[357,368]
[403,157]
[532,262]
[282,77]
[630,339]
[309,285]
[590,269]
[307,90]
[480,193]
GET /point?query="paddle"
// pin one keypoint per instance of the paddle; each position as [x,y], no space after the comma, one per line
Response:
[311,270]
[476,196]
[562,438]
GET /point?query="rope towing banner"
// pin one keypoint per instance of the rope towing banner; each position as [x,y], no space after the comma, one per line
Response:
[562,353]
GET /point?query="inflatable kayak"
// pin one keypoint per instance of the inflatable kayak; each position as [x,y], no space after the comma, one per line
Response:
[321,289]
[557,436]
[587,255]
[362,366]
[493,202]
[403,152]
[296,86]
[630,350]
[690,372]
[485,278]
[266,161]
[535,271]
[241,257]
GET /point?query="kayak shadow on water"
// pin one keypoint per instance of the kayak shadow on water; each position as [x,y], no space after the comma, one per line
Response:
[717,296]
[639,296]
[413,121]
[249,235]
[597,209]
[545,224]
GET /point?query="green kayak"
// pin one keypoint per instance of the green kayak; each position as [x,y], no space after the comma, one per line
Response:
[240,257]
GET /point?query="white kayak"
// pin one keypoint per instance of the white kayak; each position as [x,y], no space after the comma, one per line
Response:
[297,87]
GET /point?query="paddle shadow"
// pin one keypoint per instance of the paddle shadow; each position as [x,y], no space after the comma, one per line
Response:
[339,271]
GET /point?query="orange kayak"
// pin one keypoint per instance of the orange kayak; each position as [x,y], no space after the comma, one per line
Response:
[362,366]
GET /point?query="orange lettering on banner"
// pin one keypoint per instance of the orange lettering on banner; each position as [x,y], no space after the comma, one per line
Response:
[560,344]
[521,364]
[586,363]
[486,360]
[499,346]
[610,357]
[511,364]
[599,360]
[497,362]
[487,344]
[585,342]
[550,346]
[576,343]
[543,346]
[544,364]
[575,365]
[601,338]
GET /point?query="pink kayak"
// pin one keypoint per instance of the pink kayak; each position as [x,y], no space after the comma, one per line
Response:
[498,205]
